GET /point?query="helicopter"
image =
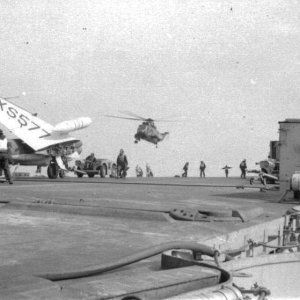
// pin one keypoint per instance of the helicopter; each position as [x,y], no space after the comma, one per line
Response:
[147,130]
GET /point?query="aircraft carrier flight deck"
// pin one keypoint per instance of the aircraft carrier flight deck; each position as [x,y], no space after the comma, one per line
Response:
[58,226]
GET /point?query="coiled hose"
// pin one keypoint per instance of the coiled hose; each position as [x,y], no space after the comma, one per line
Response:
[138,256]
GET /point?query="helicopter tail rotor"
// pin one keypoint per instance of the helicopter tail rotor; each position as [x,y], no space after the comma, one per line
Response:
[165,135]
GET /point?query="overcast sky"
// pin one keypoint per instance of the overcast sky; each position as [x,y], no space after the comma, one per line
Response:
[231,68]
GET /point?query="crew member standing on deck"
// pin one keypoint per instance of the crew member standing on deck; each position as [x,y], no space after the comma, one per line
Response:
[138,171]
[185,169]
[4,157]
[243,167]
[149,172]
[226,169]
[202,169]
[122,164]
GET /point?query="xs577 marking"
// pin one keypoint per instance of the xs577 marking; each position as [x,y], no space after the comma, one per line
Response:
[23,120]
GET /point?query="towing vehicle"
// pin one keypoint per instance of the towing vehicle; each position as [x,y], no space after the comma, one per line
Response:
[102,167]
[269,168]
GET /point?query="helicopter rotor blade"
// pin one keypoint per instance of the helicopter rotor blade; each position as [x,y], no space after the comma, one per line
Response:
[129,113]
[136,117]
[111,116]
[11,97]
[171,119]
[166,121]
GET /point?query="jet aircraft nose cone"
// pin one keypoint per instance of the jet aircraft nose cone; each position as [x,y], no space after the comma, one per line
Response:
[87,120]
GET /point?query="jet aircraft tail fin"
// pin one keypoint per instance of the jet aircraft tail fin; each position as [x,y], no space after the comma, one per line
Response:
[35,132]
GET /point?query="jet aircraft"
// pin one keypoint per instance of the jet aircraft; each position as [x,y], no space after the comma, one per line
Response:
[38,142]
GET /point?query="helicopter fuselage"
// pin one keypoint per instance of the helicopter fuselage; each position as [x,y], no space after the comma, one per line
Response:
[146,131]
[149,133]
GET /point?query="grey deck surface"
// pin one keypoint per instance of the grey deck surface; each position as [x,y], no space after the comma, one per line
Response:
[53,226]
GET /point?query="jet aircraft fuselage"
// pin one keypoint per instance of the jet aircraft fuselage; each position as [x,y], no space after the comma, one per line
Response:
[21,153]
[39,143]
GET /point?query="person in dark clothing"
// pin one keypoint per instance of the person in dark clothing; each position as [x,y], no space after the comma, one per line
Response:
[122,164]
[243,167]
[226,169]
[185,169]
[91,157]
[4,157]
[202,169]
[90,160]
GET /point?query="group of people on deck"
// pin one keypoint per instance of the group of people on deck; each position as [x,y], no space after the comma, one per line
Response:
[122,167]
[226,168]
[122,164]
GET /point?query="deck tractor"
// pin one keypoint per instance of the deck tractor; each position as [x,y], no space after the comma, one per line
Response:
[102,167]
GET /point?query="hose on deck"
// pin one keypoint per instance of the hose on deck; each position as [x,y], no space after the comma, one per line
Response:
[140,255]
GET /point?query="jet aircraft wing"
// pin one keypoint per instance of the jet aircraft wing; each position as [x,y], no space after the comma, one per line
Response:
[38,134]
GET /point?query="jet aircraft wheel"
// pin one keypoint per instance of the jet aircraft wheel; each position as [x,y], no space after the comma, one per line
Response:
[79,175]
[52,171]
